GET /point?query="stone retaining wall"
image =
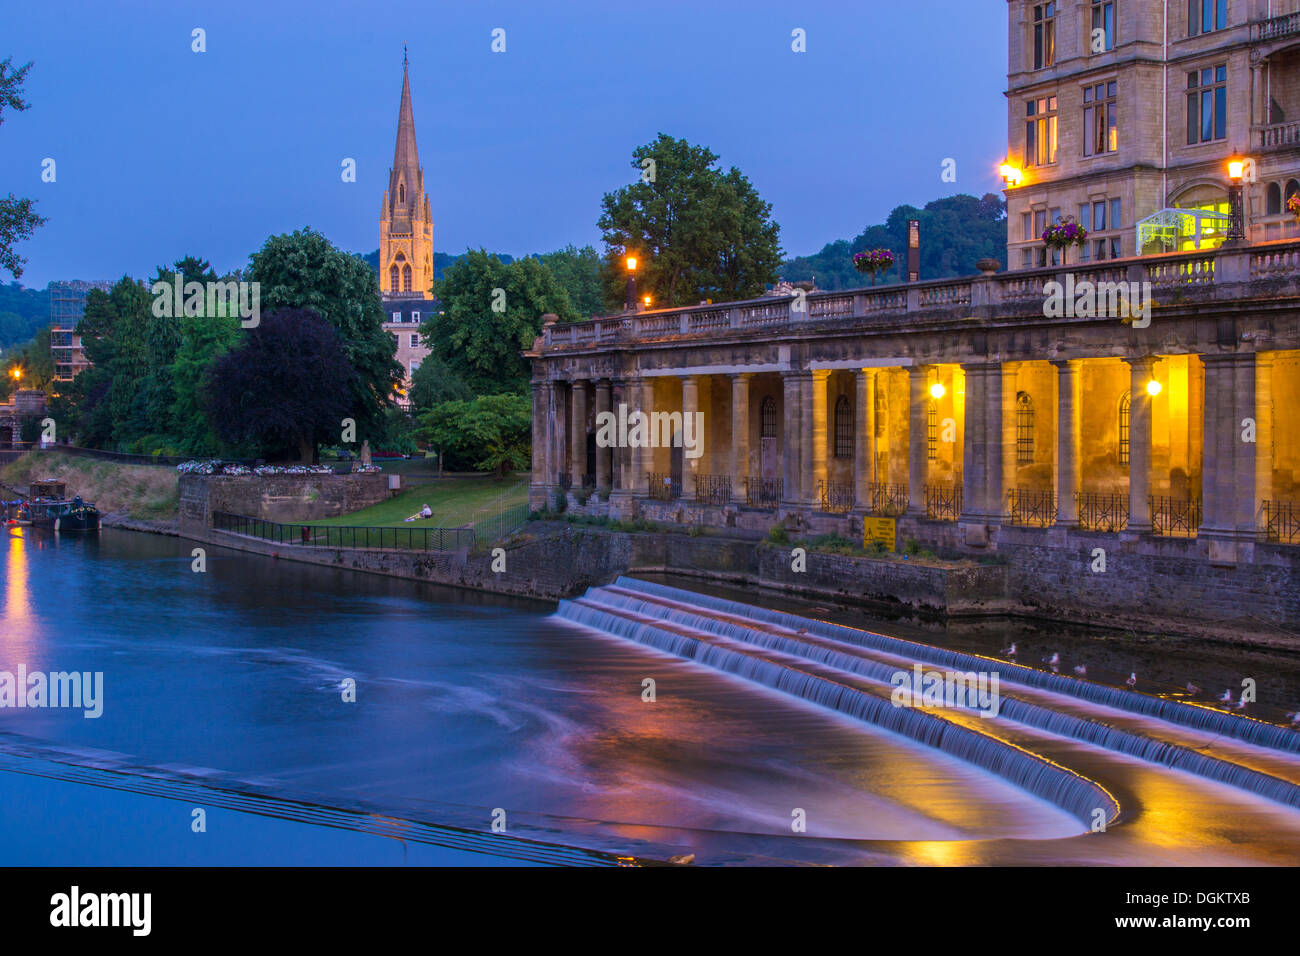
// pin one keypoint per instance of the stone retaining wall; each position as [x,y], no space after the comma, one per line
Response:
[282,498]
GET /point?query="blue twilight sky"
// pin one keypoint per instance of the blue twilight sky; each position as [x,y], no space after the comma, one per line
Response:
[161,151]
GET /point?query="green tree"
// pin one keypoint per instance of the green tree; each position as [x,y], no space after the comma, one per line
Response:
[114,330]
[492,431]
[434,383]
[491,312]
[303,270]
[697,232]
[203,340]
[32,360]
[578,271]
[18,220]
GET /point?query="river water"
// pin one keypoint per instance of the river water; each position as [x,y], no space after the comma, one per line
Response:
[467,703]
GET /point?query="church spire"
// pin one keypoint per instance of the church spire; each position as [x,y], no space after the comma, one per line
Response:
[406,156]
[405,222]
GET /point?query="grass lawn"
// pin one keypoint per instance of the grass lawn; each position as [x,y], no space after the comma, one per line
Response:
[455,502]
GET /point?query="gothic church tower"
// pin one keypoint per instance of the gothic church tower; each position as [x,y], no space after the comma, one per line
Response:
[405,223]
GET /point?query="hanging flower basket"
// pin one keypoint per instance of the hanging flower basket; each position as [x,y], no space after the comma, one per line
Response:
[873,261]
[1061,235]
[1293,204]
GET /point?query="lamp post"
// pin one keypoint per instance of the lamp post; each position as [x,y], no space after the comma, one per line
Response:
[1236,175]
[631,284]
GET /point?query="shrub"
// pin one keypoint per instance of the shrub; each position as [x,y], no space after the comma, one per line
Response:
[777,534]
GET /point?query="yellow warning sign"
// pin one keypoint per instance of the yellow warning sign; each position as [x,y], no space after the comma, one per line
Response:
[878,529]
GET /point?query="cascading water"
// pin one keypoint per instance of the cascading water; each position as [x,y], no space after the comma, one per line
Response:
[853,672]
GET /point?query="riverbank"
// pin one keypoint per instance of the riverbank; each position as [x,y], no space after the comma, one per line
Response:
[143,494]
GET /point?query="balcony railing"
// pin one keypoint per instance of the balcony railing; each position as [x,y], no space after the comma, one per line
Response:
[1275,28]
[835,496]
[1278,135]
[662,487]
[1036,509]
[1021,291]
[1282,522]
[764,492]
[943,502]
[713,489]
[1102,512]
[889,500]
[1178,517]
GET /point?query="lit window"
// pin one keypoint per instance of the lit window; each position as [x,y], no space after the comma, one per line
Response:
[1044,35]
[1100,119]
[1040,131]
[1207,105]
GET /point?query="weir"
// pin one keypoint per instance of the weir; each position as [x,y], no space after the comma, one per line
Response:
[854,671]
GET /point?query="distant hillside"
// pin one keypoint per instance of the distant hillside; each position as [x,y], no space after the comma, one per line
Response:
[23,311]
[956,232]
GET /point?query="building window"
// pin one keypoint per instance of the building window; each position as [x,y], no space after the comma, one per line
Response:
[415,365]
[1040,131]
[932,432]
[1044,35]
[1027,227]
[415,316]
[406,278]
[1100,119]
[843,427]
[1124,410]
[401,192]
[1273,201]
[767,418]
[1024,429]
[1207,104]
[1206,16]
[397,316]
[1103,26]
[415,341]
[393,278]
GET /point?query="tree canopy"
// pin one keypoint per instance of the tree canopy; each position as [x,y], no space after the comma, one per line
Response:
[494,432]
[697,232]
[18,218]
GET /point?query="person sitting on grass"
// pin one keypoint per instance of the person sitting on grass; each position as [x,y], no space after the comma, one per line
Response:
[425,512]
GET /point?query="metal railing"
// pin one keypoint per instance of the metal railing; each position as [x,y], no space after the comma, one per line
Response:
[1175,517]
[713,489]
[889,500]
[943,502]
[1281,522]
[1036,509]
[764,492]
[346,536]
[501,523]
[1100,511]
[835,496]
[663,487]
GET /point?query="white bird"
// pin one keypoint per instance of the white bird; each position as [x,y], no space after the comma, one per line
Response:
[1053,660]
[1295,718]
[1010,651]
[1241,704]
[1227,697]
[1081,670]
[1132,679]
[1192,688]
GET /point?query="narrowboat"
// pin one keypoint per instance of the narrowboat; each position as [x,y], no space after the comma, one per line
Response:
[47,506]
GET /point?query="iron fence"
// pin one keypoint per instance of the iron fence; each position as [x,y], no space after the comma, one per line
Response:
[889,500]
[713,489]
[1037,509]
[943,502]
[1281,523]
[1175,517]
[501,523]
[764,492]
[1102,512]
[346,536]
[663,487]
[835,495]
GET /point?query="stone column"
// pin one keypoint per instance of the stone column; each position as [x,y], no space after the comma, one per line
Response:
[739,435]
[995,495]
[1228,482]
[578,435]
[641,456]
[604,476]
[1139,448]
[1069,410]
[791,442]
[864,443]
[1264,431]
[690,405]
[918,459]
[814,436]
[975,446]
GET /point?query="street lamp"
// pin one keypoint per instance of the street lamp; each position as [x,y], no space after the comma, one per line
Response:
[1012,176]
[631,283]
[646,300]
[937,390]
[1236,176]
[1153,388]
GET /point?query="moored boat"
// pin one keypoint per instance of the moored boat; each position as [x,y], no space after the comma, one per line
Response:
[49,507]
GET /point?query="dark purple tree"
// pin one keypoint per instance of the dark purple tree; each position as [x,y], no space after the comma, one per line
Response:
[287,388]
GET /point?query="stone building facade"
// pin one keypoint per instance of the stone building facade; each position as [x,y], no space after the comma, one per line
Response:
[1119,109]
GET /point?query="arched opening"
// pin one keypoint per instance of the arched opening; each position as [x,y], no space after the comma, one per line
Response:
[1024,429]
[1125,404]
[401,192]
[406,278]
[1292,188]
[394,277]
[1273,200]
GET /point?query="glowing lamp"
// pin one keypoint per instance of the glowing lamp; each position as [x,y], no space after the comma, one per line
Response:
[647,302]
[1236,169]
[1153,387]
[631,263]
[937,390]
[1011,175]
